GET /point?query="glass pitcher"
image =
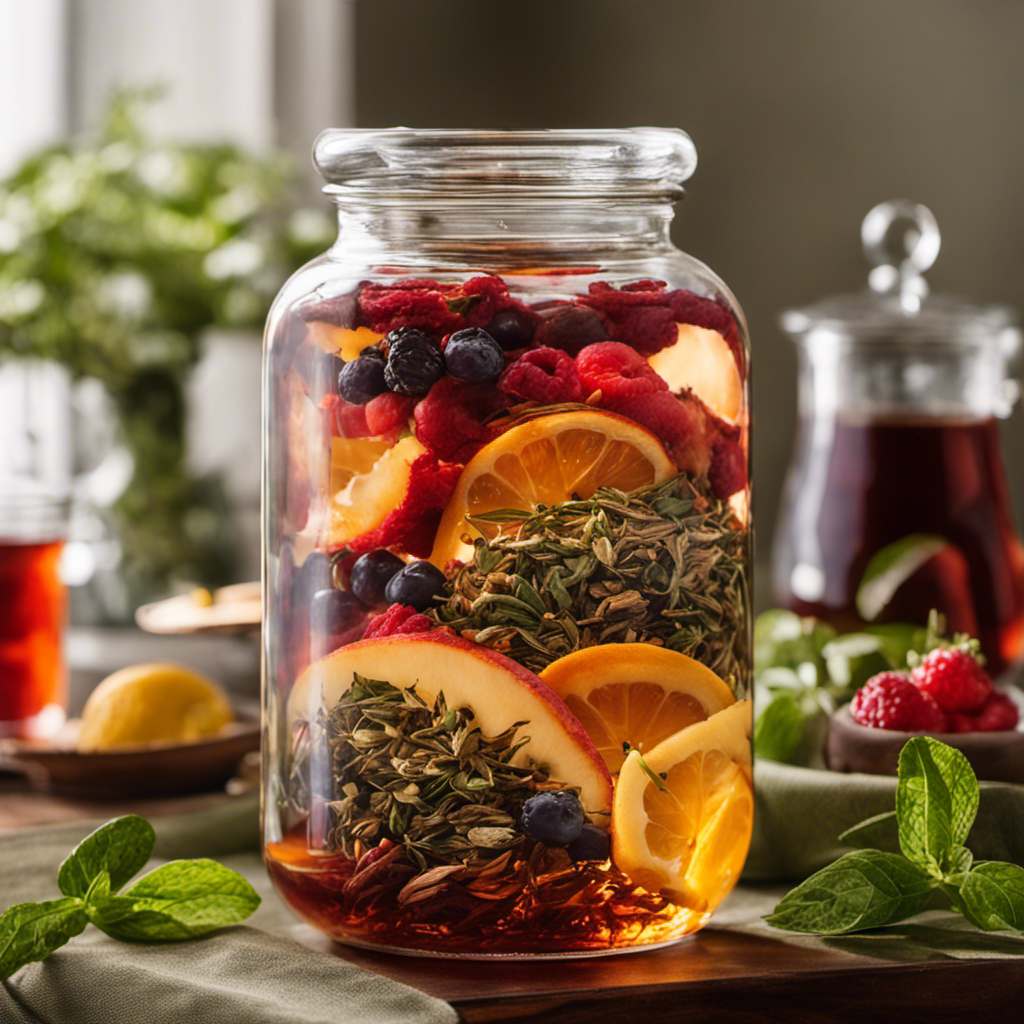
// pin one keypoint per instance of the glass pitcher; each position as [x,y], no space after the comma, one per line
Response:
[896,500]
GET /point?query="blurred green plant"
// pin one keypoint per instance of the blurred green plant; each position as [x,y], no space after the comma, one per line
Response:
[117,253]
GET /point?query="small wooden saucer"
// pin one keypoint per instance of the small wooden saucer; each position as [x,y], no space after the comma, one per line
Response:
[852,747]
[234,609]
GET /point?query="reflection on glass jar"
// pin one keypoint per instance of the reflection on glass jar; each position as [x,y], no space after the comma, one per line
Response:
[506,552]
[898,462]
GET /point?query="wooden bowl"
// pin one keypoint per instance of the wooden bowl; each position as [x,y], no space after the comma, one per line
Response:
[852,747]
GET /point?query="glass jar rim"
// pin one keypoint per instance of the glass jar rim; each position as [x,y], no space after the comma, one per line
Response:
[628,162]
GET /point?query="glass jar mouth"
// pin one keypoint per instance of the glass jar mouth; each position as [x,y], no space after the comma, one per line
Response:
[649,163]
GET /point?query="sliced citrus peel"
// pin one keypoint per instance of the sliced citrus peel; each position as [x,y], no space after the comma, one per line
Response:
[635,695]
[683,812]
[548,460]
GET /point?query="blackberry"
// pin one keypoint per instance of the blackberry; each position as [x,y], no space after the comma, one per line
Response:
[371,574]
[414,363]
[511,328]
[416,584]
[553,818]
[592,843]
[474,357]
[362,378]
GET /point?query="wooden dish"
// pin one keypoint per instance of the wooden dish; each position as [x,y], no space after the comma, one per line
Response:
[164,769]
[852,747]
[234,609]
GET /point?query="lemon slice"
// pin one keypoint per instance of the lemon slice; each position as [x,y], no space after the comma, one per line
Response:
[683,812]
[546,461]
[635,694]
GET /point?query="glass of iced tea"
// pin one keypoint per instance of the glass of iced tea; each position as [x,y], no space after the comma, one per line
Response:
[898,451]
[33,524]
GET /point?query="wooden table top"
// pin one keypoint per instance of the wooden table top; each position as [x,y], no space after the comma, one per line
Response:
[735,971]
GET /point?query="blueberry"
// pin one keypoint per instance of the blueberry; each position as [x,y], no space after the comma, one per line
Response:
[414,363]
[570,328]
[362,379]
[554,819]
[511,328]
[371,573]
[332,613]
[417,585]
[474,356]
[592,843]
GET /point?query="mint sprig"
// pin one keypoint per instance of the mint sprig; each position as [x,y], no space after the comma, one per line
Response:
[937,798]
[178,900]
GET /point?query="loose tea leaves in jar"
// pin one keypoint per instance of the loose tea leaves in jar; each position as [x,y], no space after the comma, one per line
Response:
[506,552]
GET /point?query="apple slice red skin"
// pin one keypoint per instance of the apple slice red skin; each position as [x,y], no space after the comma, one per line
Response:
[595,792]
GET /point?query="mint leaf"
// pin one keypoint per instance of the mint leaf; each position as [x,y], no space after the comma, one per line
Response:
[936,802]
[873,832]
[992,897]
[179,900]
[865,889]
[891,567]
[779,730]
[121,848]
[32,931]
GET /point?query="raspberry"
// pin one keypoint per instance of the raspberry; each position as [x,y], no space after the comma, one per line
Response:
[414,523]
[959,722]
[450,420]
[891,701]
[953,679]
[398,618]
[423,303]
[543,375]
[617,371]
[997,714]
[727,473]
[346,420]
[388,411]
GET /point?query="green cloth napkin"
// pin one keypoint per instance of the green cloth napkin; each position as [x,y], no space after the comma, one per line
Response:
[251,974]
[799,812]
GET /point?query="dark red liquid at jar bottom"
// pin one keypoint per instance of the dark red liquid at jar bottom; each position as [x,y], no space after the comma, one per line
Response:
[885,479]
[31,625]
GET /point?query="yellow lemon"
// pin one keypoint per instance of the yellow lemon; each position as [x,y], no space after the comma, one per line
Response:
[152,703]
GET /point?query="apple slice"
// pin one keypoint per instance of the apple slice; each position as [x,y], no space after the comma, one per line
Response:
[498,691]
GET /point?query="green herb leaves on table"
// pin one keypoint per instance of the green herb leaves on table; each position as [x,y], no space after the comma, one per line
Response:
[178,900]
[936,802]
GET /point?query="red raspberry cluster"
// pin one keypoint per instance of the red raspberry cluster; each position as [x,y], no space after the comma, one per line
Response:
[428,305]
[398,618]
[948,691]
[450,419]
[544,375]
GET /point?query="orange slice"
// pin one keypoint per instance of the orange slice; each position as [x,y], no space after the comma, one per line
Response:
[368,480]
[346,342]
[546,461]
[682,827]
[702,361]
[635,694]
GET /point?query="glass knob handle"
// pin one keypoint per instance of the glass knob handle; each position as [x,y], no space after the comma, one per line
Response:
[901,240]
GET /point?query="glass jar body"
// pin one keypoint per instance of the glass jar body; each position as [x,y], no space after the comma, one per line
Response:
[484,459]
[898,439]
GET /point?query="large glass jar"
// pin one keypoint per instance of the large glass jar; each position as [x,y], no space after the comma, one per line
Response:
[897,500]
[506,563]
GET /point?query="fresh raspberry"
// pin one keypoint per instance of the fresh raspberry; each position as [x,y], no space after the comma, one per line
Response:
[450,419]
[388,412]
[414,523]
[426,304]
[890,700]
[543,375]
[727,473]
[617,371]
[960,722]
[346,420]
[398,618]
[997,714]
[953,678]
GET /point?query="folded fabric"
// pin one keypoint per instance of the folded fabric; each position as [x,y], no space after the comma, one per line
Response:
[800,812]
[242,975]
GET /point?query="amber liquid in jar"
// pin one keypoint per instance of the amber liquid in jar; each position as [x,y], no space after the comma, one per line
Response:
[32,609]
[886,478]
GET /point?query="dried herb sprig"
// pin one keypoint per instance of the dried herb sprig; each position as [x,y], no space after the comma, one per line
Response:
[664,565]
[425,778]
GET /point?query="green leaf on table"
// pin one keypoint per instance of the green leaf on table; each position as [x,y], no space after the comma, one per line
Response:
[992,897]
[936,803]
[121,848]
[779,730]
[864,889]
[179,900]
[32,931]
[891,567]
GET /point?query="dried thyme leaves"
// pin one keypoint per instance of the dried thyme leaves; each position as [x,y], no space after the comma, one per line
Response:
[424,778]
[664,565]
